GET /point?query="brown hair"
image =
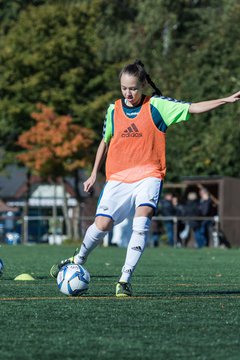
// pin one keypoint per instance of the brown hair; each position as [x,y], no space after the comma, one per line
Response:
[137,69]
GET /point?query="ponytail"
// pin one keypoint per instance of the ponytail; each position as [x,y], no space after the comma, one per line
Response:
[157,91]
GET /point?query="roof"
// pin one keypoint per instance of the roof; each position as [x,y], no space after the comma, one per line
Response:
[13,184]
[212,179]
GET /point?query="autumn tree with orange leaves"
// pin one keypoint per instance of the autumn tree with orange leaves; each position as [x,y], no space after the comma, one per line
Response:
[55,147]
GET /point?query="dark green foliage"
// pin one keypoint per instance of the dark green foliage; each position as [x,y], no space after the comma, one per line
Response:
[68,54]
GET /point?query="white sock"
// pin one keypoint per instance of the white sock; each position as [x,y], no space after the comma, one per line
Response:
[91,239]
[136,246]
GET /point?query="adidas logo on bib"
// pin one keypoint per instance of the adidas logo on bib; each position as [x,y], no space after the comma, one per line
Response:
[131,131]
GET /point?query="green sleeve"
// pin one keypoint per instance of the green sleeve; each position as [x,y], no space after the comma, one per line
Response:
[108,127]
[171,110]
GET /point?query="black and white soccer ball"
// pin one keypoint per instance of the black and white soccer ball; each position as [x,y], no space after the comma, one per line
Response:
[73,280]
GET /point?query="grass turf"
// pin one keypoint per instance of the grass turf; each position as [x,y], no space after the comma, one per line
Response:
[185,306]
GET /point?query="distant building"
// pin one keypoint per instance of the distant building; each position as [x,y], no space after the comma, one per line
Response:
[17,190]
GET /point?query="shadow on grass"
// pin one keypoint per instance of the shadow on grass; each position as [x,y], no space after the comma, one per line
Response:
[167,295]
[186,294]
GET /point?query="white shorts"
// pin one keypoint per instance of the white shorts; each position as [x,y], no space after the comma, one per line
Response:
[118,200]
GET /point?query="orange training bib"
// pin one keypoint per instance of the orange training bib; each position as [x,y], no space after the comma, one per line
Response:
[137,149]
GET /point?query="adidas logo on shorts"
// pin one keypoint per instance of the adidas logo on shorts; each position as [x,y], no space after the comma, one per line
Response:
[132,131]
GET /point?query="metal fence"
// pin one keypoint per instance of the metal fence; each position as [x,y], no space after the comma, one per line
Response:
[52,230]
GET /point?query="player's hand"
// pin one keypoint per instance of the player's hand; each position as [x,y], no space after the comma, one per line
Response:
[88,184]
[233,98]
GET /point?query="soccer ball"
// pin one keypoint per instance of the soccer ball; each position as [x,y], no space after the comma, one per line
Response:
[1,267]
[73,280]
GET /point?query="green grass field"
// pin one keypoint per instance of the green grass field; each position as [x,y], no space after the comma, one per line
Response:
[186,305]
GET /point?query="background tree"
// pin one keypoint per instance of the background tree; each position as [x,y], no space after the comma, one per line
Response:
[191,50]
[68,55]
[209,58]
[54,148]
[49,56]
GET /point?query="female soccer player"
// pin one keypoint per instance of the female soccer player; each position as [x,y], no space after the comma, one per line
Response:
[134,143]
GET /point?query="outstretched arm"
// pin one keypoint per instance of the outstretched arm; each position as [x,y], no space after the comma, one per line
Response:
[204,106]
[100,156]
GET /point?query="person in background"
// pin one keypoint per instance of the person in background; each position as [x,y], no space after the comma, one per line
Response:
[192,209]
[155,231]
[167,209]
[206,209]
[179,211]
[122,232]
